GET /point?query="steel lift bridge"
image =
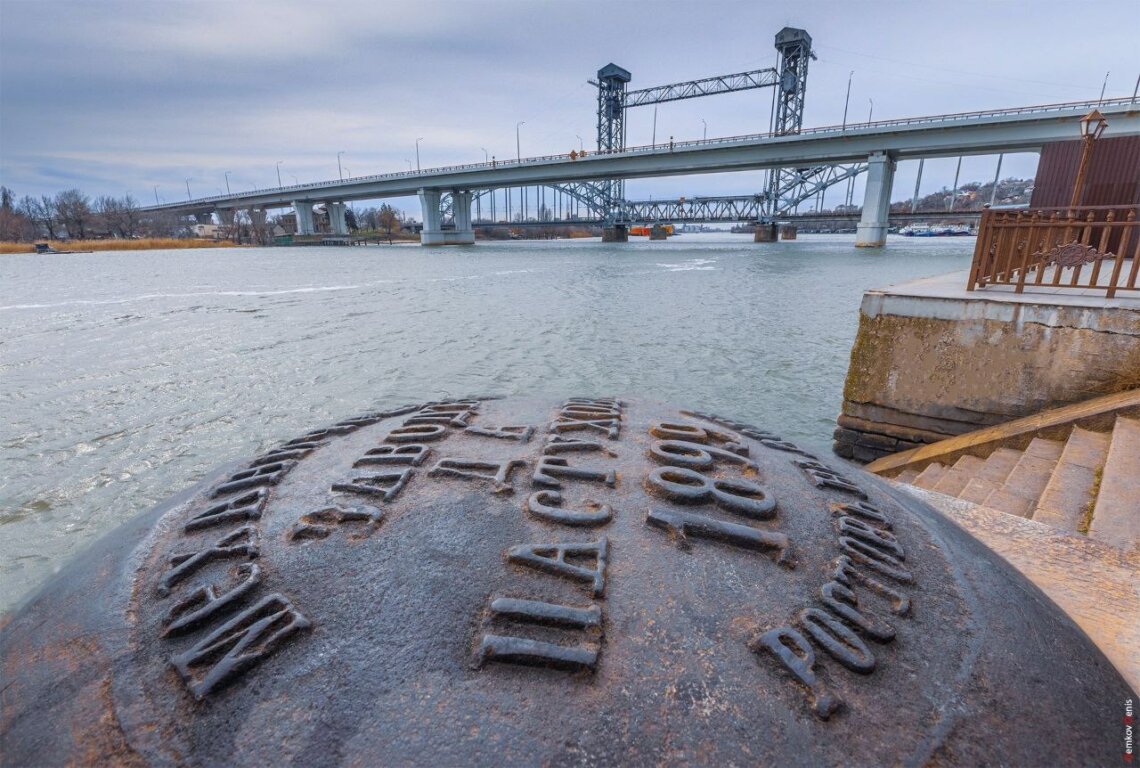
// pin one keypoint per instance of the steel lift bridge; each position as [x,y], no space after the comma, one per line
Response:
[786,187]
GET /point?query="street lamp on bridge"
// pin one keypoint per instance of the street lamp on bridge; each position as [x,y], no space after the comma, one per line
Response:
[486,157]
[518,150]
[188,195]
[279,184]
[1092,126]
[705,130]
[421,138]
[339,172]
[227,182]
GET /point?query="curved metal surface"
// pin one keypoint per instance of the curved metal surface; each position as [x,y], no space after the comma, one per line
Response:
[548,582]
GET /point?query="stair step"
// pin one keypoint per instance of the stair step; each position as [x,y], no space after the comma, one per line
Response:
[957,476]
[1045,449]
[928,477]
[977,490]
[1027,480]
[1069,490]
[906,476]
[997,467]
[1116,517]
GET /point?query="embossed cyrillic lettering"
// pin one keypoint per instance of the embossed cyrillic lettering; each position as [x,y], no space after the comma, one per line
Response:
[500,479]
[537,612]
[667,430]
[825,477]
[295,453]
[843,603]
[876,559]
[240,643]
[864,510]
[246,507]
[793,651]
[415,433]
[846,572]
[556,444]
[884,540]
[267,474]
[841,643]
[239,543]
[458,419]
[550,468]
[386,485]
[784,445]
[536,653]
[204,602]
[681,453]
[521,433]
[608,427]
[319,524]
[412,454]
[684,524]
[687,487]
[552,558]
[545,504]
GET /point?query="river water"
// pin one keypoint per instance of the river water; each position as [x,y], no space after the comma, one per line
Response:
[127,376]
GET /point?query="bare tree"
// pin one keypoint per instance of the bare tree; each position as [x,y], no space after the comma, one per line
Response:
[15,225]
[74,211]
[389,219]
[41,212]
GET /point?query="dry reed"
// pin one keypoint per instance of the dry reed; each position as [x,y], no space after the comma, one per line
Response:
[143,244]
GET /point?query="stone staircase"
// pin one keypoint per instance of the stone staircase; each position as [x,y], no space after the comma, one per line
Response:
[1057,495]
[1087,484]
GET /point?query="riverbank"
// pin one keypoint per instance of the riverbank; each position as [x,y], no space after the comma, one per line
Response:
[141,244]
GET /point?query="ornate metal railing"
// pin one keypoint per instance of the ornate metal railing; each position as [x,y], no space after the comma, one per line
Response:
[1095,247]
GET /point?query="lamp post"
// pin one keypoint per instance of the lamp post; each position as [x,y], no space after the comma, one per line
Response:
[421,138]
[580,147]
[279,185]
[156,194]
[705,131]
[1092,126]
[870,111]
[188,195]
[486,157]
[848,99]
[227,182]
[518,150]
[339,172]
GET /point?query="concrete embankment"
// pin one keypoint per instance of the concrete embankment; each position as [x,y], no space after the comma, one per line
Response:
[932,360]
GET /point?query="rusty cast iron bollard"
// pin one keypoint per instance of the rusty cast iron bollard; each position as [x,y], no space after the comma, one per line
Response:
[589,580]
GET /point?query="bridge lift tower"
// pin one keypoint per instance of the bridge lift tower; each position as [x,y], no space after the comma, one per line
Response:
[787,187]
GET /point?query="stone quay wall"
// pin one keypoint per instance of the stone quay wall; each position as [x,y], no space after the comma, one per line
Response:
[927,367]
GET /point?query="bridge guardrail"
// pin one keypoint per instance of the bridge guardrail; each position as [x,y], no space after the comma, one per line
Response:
[673,146]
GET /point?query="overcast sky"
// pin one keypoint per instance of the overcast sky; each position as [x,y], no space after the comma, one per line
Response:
[121,96]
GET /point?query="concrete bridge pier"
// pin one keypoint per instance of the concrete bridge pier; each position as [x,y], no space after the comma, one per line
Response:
[337,223]
[304,213]
[616,233]
[872,229]
[433,232]
[766,232]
